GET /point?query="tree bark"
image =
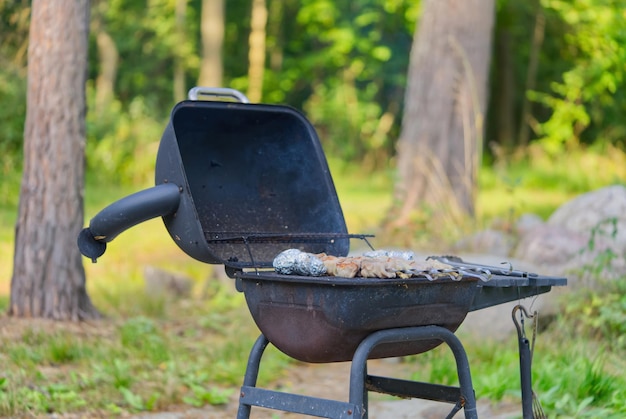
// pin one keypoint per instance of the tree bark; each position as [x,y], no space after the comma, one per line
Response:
[256,55]
[531,75]
[179,67]
[108,59]
[504,96]
[212,29]
[48,276]
[441,137]
[275,39]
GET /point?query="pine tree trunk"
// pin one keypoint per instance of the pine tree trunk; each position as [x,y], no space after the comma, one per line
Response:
[531,75]
[108,60]
[212,29]
[179,87]
[256,55]
[275,41]
[445,100]
[48,276]
[504,97]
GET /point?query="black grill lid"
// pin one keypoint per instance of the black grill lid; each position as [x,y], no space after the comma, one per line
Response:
[256,181]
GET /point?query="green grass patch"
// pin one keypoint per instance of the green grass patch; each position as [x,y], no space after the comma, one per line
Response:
[572,377]
[195,356]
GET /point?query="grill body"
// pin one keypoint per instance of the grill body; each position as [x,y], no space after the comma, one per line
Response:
[325,319]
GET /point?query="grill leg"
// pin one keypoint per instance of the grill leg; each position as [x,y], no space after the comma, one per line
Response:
[525,378]
[358,372]
[252,396]
[252,373]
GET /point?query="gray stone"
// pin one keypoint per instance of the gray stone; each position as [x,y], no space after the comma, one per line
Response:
[584,239]
[595,212]
[550,245]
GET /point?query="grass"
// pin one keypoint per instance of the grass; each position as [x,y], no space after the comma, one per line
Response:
[573,375]
[153,352]
[193,356]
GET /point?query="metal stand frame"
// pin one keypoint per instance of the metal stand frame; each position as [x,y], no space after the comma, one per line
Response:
[361,382]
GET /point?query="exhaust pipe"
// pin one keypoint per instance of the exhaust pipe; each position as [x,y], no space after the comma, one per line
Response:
[160,200]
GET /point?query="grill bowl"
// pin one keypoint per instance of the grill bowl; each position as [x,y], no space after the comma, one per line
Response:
[324,319]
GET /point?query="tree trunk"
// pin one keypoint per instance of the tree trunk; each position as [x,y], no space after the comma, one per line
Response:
[105,82]
[275,39]
[256,55]
[48,276]
[531,75]
[179,67]
[441,138]
[504,96]
[212,28]
[108,59]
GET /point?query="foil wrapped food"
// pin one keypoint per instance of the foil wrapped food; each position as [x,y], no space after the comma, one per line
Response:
[297,262]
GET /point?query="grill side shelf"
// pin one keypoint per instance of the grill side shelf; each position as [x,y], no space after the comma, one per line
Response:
[532,280]
[502,289]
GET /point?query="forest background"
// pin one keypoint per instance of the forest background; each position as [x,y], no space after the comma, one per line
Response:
[556,79]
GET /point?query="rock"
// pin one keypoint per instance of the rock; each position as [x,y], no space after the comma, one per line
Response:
[162,283]
[596,212]
[584,239]
[550,245]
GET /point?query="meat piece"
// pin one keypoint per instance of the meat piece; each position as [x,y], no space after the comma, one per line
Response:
[348,267]
[400,264]
[377,268]
[330,262]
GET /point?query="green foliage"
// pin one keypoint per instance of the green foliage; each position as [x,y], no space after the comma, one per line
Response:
[14,19]
[148,44]
[12,111]
[357,73]
[588,102]
[343,62]
[13,36]
[122,143]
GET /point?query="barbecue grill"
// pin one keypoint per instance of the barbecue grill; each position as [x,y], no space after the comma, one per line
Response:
[237,184]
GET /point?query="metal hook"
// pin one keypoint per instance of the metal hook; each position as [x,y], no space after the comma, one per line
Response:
[520,325]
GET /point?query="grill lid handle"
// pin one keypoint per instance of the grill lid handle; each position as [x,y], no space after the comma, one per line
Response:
[121,215]
[213,93]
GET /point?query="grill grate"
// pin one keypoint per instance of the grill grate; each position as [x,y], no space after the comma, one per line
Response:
[249,238]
